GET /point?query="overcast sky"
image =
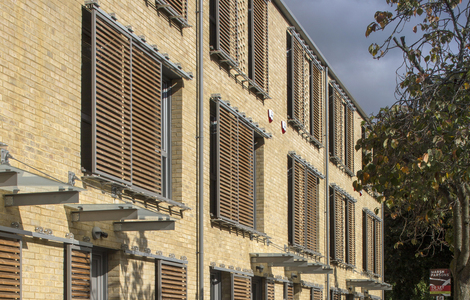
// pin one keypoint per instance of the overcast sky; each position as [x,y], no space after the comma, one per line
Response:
[338,28]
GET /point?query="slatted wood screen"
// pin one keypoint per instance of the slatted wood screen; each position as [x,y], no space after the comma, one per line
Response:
[236,169]
[305,207]
[79,273]
[128,112]
[290,292]
[180,6]
[299,203]
[171,280]
[317,294]
[338,125]
[10,268]
[316,87]
[241,287]
[338,225]
[228,28]
[300,77]
[146,122]
[351,233]
[312,212]
[335,295]
[260,43]
[269,290]
[378,247]
[370,243]
[349,136]
[113,102]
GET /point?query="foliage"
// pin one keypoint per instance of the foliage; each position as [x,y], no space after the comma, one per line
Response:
[417,153]
[408,274]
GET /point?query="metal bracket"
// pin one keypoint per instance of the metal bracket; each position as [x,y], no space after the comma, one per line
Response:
[144,225]
[71,178]
[5,156]
[25,199]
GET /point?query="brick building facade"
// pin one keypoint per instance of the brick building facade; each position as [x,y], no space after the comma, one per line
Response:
[99,138]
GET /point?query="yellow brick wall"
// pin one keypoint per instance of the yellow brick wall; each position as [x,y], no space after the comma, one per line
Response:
[40,113]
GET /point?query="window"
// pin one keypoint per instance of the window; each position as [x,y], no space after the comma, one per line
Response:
[225,285]
[316,294]
[176,10]
[10,266]
[239,37]
[372,242]
[258,42]
[77,273]
[224,30]
[236,161]
[289,291]
[303,205]
[171,280]
[340,295]
[341,124]
[125,108]
[343,232]
[304,89]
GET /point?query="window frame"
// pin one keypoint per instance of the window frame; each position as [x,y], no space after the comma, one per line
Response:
[252,163]
[304,76]
[342,227]
[180,282]
[341,129]
[258,61]
[372,227]
[161,188]
[224,282]
[70,266]
[300,170]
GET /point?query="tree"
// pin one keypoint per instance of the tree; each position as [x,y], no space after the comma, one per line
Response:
[408,274]
[417,153]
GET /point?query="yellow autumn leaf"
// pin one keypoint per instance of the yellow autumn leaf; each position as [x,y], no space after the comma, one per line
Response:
[425,157]
[466,85]
[405,170]
[435,185]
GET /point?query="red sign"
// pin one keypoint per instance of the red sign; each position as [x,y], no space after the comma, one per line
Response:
[440,282]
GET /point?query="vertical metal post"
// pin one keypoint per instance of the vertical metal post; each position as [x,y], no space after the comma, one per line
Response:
[327,184]
[200,86]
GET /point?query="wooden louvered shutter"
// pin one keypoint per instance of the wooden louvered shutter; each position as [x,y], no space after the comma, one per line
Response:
[339,235]
[269,290]
[290,292]
[180,6]
[312,211]
[228,165]
[317,294]
[370,243]
[246,175]
[146,122]
[316,94]
[228,28]
[236,169]
[298,203]
[113,102]
[378,247]
[78,273]
[349,135]
[338,120]
[300,70]
[171,280]
[335,295]
[260,41]
[351,233]
[10,267]
[241,287]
